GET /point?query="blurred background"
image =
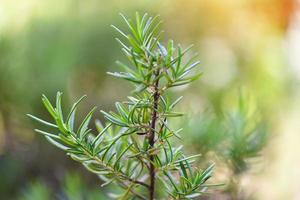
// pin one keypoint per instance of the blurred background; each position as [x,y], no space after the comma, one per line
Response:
[243,114]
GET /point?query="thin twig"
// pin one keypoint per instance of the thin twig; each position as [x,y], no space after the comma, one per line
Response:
[152,135]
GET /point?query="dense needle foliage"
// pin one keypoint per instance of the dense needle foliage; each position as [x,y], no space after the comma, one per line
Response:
[133,148]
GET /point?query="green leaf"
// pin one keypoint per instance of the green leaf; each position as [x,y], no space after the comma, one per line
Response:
[84,124]
[126,75]
[175,102]
[96,141]
[188,158]
[48,106]
[71,116]
[170,51]
[46,133]
[113,119]
[172,114]
[122,110]
[121,154]
[58,106]
[131,27]
[57,144]
[194,195]
[183,170]
[171,181]
[206,174]
[42,121]
[121,32]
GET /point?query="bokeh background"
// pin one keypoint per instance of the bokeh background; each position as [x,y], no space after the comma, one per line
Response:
[243,114]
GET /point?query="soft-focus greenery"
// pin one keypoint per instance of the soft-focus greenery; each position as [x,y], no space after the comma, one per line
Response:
[71,188]
[235,136]
[46,46]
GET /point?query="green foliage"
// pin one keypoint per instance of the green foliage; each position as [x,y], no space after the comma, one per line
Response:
[237,136]
[133,149]
[72,188]
[246,135]
[36,191]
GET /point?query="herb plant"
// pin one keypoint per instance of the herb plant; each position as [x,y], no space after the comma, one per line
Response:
[237,136]
[134,149]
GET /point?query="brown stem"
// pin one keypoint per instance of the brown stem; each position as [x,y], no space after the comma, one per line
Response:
[151,136]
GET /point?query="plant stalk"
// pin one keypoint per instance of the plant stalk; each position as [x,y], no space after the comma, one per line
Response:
[151,136]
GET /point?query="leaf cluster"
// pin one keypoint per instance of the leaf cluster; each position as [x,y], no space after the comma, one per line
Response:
[135,142]
[147,55]
[246,136]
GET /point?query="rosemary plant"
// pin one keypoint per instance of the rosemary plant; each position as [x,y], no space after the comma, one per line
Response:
[133,148]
